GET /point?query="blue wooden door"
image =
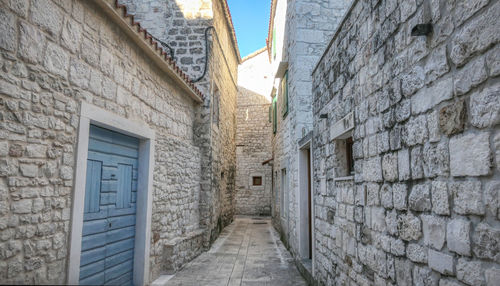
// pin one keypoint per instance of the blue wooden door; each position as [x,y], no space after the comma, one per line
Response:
[108,236]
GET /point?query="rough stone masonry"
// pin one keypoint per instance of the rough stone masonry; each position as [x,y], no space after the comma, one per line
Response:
[423,205]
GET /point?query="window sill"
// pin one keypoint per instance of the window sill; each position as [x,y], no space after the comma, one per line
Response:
[346,178]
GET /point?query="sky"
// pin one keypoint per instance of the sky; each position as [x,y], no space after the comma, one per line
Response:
[251,23]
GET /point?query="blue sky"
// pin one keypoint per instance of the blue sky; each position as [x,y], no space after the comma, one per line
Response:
[251,22]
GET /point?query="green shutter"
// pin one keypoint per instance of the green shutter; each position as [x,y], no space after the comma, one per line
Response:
[275,115]
[270,113]
[284,93]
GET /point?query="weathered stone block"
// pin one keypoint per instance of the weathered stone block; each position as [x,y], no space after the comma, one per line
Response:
[21,207]
[391,221]
[485,107]
[372,170]
[442,263]
[404,165]
[434,229]
[71,34]
[427,98]
[409,227]
[8,40]
[399,194]
[31,43]
[56,60]
[493,61]
[417,170]
[486,241]
[29,170]
[79,73]
[457,234]
[4,148]
[48,16]
[465,9]
[470,272]
[36,151]
[437,64]
[390,167]
[496,146]
[492,276]
[440,204]
[403,269]
[452,118]
[471,75]
[475,35]
[433,126]
[467,197]
[424,276]
[420,198]
[412,81]
[436,160]
[416,253]
[386,196]
[476,160]
[415,131]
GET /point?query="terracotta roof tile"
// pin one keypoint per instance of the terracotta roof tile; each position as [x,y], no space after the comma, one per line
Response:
[159,49]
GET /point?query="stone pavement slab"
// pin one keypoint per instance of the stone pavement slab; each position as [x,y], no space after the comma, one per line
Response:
[247,252]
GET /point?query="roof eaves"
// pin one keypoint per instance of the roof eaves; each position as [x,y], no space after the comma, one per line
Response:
[229,19]
[254,54]
[118,13]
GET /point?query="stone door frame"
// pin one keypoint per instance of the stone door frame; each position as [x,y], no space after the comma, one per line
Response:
[303,223]
[90,114]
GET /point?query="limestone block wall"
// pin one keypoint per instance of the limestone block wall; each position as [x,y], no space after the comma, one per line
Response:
[308,27]
[423,205]
[53,56]
[182,25]
[253,143]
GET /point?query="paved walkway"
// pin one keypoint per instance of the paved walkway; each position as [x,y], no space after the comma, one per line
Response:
[248,252]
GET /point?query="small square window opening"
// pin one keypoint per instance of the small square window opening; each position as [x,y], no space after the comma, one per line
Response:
[257,181]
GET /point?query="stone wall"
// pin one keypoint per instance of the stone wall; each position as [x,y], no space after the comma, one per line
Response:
[309,25]
[55,55]
[422,207]
[182,25]
[253,143]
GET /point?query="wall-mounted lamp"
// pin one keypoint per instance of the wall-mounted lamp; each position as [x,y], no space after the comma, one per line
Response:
[323,116]
[421,30]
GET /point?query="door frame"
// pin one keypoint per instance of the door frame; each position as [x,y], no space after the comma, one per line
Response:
[90,114]
[304,203]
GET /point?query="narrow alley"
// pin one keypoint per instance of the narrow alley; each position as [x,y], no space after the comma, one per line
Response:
[247,252]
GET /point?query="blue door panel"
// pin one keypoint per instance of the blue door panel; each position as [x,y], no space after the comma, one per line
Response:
[119,258]
[118,270]
[108,235]
[124,186]
[93,241]
[113,149]
[119,246]
[124,280]
[92,186]
[93,255]
[97,279]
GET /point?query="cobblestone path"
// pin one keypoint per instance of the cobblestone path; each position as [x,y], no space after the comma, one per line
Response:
[248,252]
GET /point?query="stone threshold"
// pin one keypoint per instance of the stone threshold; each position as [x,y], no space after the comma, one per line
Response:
[305,269]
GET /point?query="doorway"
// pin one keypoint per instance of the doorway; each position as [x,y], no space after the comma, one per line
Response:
[305,203]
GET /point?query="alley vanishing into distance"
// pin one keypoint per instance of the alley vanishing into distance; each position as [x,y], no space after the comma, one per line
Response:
[247,252]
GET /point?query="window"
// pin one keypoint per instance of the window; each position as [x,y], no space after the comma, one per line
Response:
[275,115]
[284,95]
[349,157]
[257,181]
[216,105]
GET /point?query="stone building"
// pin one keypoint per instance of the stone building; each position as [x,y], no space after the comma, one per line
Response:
[253,143]
[187,28]
[298,34]
[407,145]
[114,166]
